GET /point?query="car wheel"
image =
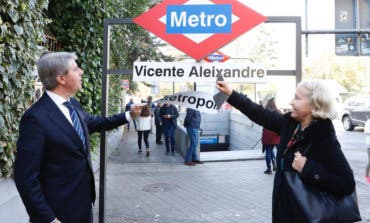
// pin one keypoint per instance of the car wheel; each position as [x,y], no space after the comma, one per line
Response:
[347,124]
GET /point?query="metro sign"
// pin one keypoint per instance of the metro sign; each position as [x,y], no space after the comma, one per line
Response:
[199,27]
[217,57]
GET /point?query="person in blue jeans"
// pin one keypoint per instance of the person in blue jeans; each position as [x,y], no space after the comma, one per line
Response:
[270,139]
[170,114]
[192,124]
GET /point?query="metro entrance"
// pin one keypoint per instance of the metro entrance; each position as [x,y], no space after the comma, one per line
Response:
[296,72]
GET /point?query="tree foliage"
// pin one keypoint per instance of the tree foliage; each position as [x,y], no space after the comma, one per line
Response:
[21,29]
[349,72]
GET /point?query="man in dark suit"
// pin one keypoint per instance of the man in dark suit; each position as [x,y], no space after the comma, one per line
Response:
[53,171]
[169,122]
[158,124]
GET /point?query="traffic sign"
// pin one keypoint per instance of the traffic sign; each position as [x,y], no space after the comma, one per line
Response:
[199,28]
[125,84]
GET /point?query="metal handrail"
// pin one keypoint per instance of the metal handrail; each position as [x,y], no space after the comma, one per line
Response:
[336,31]
[51,44]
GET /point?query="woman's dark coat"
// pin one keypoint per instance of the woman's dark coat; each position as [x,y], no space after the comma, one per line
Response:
[326,167]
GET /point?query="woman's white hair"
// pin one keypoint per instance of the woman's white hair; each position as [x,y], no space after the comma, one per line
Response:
[322,98]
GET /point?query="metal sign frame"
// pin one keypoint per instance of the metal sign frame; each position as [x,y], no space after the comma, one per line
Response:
[297,72]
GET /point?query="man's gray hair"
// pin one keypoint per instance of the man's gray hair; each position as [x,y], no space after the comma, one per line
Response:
[322,98]
[51,65]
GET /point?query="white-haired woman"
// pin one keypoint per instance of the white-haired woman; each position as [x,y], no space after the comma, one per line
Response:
[307,125]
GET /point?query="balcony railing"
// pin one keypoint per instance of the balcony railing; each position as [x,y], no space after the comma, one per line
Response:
[51,43]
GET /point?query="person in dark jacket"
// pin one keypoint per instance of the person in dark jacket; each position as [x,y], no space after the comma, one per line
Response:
[270,140]
[308,124]
[192,124]
[152,107]
[150,103]
[169,114]
[128,108]
[158,124]
[53,171]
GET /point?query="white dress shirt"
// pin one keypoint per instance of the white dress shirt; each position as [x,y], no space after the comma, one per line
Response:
[59,100]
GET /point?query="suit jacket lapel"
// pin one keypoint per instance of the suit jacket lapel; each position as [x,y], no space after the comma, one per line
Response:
[61,121]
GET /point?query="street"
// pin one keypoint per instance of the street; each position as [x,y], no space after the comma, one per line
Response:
[160,188]
[354,148]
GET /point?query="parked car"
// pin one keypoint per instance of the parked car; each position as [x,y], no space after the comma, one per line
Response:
[356,111]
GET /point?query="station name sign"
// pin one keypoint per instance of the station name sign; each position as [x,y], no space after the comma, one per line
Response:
[198,72]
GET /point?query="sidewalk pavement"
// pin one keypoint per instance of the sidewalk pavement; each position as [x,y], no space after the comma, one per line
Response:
[161,188]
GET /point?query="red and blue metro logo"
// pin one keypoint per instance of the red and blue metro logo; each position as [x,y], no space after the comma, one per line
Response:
[199,27]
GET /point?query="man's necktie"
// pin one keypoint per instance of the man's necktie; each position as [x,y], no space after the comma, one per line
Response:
[76,121]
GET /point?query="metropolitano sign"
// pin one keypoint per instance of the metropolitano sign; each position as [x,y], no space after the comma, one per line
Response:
[198,72]
[199,27]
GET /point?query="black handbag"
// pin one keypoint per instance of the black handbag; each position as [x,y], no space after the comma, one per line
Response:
[319,207]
